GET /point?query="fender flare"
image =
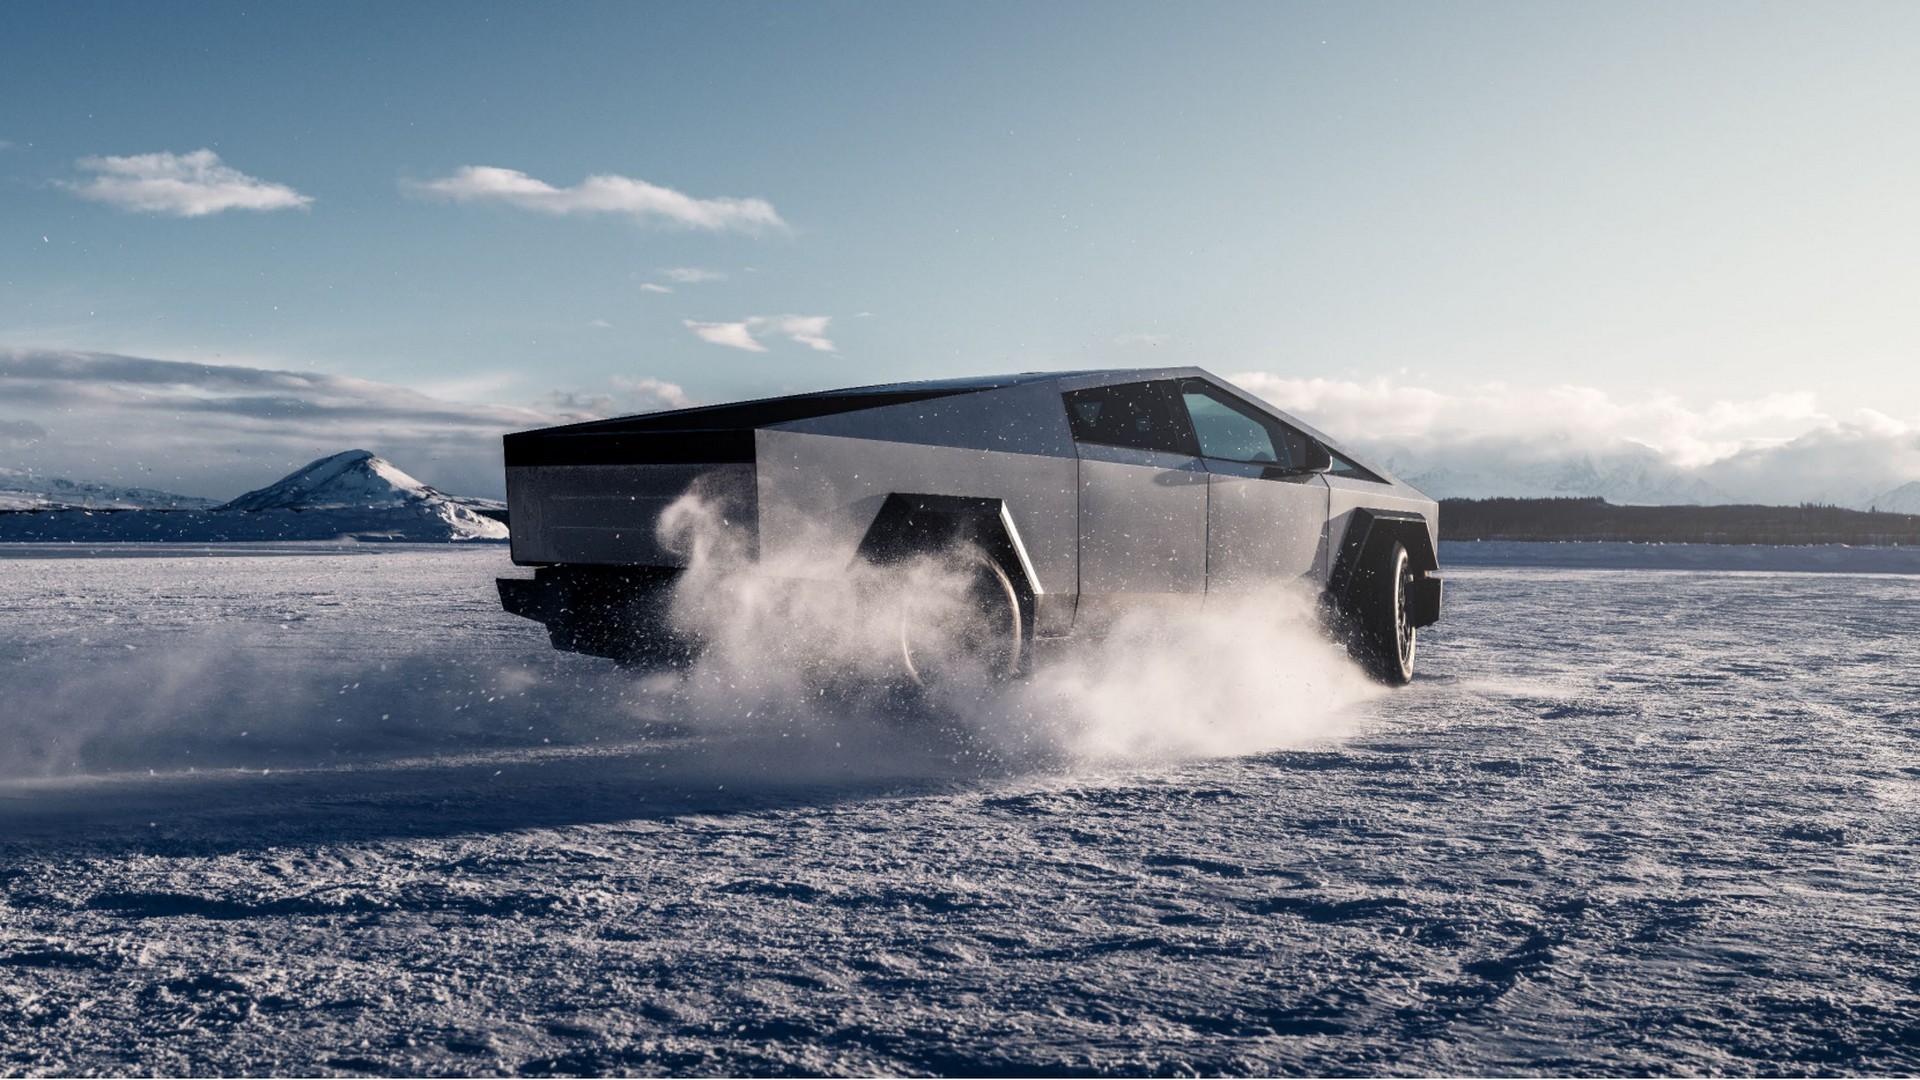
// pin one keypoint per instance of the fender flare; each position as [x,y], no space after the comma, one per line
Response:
[1369,536]
[911,524]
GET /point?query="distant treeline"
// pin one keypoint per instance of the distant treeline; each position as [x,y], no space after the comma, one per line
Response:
[1597,519]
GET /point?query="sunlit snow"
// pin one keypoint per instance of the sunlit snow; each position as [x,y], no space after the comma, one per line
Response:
[273,813]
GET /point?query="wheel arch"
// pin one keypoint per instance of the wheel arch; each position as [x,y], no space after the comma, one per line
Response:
[913,524]
[1370,535]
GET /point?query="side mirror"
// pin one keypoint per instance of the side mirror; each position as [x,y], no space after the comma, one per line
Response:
[1317,459]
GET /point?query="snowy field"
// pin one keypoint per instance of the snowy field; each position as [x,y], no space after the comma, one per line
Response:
[275,813]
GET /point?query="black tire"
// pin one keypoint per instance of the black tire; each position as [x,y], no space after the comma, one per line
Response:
[989,640]
[1385,636]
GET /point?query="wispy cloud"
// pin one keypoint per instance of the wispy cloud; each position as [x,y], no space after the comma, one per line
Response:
[20,432]
[693,275]
[652,394]
[217,430]
[732,334]
[628,395]
[808,330]
[1686,434]
[181,185]
[600,324]
[1497,439]
[603,194]
[652,288]
[1124,340]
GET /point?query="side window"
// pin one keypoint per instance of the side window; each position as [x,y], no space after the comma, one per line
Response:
[1139,416]
[1230,431]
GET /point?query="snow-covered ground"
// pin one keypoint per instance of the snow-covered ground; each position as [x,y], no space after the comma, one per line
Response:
[334,811]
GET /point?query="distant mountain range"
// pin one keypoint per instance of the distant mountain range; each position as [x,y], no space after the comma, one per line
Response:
[1625,478]
[352,495]
[1628,474]
[31,491]
[1599,520]
[1904,499]
[360,495]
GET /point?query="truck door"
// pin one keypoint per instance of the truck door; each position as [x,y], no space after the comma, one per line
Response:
[1266,512]
[1143,498]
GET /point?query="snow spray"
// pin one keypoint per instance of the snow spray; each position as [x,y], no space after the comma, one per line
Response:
[808,639]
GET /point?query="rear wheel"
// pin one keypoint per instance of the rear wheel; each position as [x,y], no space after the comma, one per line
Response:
[983,636]
[1386,635]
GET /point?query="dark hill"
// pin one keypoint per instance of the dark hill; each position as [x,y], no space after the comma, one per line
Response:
[1597,519]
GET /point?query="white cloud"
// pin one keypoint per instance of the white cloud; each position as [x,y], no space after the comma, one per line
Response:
[693,275]
[217,430]
[600,324]
[472,385]
[808,330]
[1570,440]
[733,334]
[652,288]
[646,394]
[585,404]
[183,185]
[1570,415]
[650,394]
[1138,339]
[603,194]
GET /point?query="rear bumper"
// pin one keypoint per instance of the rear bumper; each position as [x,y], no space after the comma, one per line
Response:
[617,612]
[530,598]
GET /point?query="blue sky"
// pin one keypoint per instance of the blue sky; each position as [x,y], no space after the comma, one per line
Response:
[1681,208]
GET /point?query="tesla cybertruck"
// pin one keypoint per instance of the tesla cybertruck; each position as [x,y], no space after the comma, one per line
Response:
[1069,497]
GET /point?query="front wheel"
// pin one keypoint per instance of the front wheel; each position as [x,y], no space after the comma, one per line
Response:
[1386,635]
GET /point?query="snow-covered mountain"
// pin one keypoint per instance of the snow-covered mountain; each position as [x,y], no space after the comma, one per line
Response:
[354,479]
[359,484]
[352,495]
[22,490]
[1627,476]
[1627,473]
[1904,499]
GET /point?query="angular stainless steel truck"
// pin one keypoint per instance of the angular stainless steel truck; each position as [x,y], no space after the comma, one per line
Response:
[1070,498]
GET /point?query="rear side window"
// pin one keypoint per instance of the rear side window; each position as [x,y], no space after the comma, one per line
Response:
[1139,416]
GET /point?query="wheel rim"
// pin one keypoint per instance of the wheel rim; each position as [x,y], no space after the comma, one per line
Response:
[988,641]
[1403,612]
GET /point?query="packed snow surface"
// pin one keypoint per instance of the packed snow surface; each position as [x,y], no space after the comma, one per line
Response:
[326,812]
